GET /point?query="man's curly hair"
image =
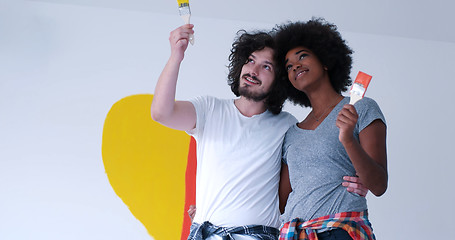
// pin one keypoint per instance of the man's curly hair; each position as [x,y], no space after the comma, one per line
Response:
[323,39]
[244,45]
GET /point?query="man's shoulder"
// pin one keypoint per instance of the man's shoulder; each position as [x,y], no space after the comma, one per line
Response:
[209,100]
[287,116]
[283,118]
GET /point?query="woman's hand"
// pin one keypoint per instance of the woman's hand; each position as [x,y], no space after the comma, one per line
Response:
[346,121]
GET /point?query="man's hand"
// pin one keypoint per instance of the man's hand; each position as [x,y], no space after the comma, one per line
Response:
[179,39]
[354,185]
[192,212]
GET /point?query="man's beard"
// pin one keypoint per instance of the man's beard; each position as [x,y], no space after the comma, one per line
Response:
[245,92]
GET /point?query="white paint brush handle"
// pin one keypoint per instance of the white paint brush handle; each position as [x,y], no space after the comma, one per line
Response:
[186,18]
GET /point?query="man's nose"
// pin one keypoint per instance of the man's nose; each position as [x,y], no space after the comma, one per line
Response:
[255,70]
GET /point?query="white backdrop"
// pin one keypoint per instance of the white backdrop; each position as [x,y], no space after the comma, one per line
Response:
[62,67]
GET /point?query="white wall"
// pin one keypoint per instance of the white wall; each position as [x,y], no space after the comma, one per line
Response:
[413,84]
[62,67]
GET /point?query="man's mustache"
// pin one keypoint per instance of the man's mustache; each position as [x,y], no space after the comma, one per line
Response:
[252,77]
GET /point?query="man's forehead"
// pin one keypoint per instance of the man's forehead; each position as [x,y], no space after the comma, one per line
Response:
[266,53]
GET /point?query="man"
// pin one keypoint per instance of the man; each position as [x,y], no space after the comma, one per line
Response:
[238,140]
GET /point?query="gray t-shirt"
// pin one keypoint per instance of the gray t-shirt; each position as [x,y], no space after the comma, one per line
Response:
[317,162]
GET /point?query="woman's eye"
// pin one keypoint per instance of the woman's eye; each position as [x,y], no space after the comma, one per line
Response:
[288,67]
[303,56]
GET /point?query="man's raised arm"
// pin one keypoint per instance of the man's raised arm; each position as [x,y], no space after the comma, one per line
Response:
[179,115]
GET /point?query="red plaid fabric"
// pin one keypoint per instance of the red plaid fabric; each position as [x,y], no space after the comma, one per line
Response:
[355,223]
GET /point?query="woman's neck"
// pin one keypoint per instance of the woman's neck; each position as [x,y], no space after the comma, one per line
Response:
[323,98]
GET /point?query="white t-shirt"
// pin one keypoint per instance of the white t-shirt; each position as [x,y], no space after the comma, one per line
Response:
[238,164]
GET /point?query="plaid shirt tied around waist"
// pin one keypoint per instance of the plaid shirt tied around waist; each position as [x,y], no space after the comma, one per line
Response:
[355,223]
[206,229]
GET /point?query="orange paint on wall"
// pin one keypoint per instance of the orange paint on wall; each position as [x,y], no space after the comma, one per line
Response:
[190,188]
[146,164]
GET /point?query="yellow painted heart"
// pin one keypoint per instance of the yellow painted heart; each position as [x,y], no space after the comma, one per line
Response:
[146,165]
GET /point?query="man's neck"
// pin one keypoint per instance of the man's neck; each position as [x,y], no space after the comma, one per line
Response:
[249,107]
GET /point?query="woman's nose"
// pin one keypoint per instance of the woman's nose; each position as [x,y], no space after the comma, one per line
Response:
[296,66]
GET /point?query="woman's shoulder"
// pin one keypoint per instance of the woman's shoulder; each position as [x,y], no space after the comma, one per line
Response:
[369,110]
[366,103]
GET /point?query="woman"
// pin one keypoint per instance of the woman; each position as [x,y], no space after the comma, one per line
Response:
[334,140]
